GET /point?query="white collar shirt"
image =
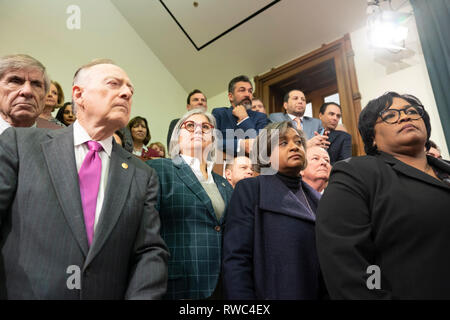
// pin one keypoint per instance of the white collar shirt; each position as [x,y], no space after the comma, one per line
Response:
[293,117]
[5,125]
[80,137]
[194,163]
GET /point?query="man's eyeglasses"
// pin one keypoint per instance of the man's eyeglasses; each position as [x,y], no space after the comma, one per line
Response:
[191,125]
[392,116]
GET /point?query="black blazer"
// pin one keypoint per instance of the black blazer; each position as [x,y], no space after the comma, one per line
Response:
[379,211]
[269,242]
[340,146]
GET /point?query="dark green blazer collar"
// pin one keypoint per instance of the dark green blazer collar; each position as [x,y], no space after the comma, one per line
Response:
[187,176]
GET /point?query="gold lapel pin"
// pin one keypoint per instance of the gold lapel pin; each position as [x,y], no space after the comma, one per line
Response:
[124,165]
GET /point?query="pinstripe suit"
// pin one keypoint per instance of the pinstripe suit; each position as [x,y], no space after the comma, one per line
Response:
[190,228]
[42,229]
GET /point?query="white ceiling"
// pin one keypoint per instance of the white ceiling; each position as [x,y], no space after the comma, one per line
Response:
[286,30]
[209,20]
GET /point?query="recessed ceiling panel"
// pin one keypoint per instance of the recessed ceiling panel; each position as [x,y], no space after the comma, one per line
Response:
[286,30]
[204,21]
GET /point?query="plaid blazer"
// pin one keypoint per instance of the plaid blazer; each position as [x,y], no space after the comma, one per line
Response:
[190,229]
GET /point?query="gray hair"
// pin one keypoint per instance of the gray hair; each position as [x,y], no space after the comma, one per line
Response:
[266,141]
[80,71]
[23,61]
[174,147]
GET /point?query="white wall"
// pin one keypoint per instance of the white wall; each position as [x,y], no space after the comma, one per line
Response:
[220,100]
[405,72]
[38,28]
[379,71]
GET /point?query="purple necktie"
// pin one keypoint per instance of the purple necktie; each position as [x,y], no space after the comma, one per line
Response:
[89,178]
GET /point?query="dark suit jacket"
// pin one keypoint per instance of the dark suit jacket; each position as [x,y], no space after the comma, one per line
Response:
[269,242]
[309,124]
[379,211]
[190,228]
[169,133]
[127,140]
[42,230]
[250,127]
[340,145]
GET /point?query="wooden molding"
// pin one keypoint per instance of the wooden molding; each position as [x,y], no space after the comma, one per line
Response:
[341,53]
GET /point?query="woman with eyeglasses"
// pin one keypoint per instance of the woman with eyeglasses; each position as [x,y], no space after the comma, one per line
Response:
[383,223]
[191,202]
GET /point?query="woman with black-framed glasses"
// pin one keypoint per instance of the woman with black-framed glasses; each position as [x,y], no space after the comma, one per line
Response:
[383,223]
[192,201]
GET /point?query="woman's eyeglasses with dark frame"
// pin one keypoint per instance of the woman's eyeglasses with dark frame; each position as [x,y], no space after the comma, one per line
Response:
[392,116]
[191,125]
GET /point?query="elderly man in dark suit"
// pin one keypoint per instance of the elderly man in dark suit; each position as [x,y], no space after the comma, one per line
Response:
[77,212]
[340,142]
[238,124]
[23,86]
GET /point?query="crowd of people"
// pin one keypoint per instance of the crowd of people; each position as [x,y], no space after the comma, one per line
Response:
[244,204]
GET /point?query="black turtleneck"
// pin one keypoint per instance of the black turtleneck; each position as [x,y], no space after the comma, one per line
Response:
[293,183]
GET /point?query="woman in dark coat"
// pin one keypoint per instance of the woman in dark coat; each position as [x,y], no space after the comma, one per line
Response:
[269,240]
[383,223]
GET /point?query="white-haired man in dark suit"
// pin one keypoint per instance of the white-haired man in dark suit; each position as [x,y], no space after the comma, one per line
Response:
[77,212]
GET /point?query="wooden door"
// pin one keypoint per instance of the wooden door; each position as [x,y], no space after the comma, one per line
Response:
[326,69]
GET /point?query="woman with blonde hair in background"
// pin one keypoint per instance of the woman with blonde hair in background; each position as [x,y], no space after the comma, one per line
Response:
[53,100]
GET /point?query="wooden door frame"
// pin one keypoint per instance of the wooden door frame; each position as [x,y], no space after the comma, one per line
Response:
[341,52]
[317,98]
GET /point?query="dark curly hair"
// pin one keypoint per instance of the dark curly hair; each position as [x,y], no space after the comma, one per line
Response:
[60,114]
[370,114]
[232,83]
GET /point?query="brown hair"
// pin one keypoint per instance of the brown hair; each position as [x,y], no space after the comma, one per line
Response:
[136,120]
[60,93]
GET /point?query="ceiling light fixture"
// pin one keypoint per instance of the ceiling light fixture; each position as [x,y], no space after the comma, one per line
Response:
[385,28]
